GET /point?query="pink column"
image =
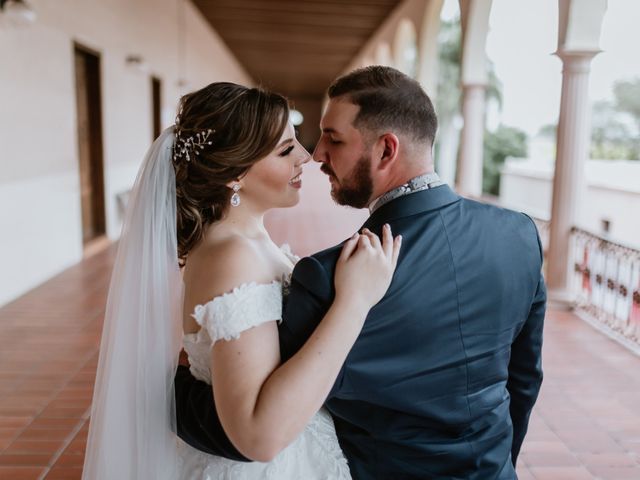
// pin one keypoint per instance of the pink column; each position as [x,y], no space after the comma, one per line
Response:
[574,138]
[471,147]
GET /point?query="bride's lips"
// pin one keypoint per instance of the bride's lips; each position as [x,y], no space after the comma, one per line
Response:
[296,182]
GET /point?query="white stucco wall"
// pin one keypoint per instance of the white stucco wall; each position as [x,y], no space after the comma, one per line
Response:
[613,194]
[39,184]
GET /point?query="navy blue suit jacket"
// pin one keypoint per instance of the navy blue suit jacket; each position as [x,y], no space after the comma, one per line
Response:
[441,381]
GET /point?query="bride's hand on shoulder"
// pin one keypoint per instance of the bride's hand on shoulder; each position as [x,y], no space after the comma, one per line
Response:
[366,266]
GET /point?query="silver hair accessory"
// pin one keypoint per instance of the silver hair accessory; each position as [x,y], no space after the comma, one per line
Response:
[186,148]
[235,198]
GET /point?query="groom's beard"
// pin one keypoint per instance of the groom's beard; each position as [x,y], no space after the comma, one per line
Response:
[356,189]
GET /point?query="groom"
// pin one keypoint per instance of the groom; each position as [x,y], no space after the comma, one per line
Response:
[442,379]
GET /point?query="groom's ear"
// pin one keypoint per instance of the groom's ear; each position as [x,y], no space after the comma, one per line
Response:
[387,148]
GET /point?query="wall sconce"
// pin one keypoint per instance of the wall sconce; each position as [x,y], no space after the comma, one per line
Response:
[295,117]
[17,12]
[136,62]
[183,85]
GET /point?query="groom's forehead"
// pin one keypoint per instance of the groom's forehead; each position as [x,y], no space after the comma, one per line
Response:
[340,114]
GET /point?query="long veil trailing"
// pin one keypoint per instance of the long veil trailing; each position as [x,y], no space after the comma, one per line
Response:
[131,434]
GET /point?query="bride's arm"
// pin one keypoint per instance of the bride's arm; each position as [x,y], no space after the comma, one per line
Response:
[262,405]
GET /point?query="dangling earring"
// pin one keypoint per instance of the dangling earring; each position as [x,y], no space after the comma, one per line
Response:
[235,198]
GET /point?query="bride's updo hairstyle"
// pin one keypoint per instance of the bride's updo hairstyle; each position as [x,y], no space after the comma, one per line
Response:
[221,131]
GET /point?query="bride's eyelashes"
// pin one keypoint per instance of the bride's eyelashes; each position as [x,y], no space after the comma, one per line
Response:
[287,151]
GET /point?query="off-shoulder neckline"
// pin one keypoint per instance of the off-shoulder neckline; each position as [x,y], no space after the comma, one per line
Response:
[285,248]
[235,291]
[218,298]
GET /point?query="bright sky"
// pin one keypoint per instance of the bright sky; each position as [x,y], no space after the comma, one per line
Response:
[523,35]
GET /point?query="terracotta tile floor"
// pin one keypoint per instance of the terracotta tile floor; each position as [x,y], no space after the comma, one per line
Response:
[586,424]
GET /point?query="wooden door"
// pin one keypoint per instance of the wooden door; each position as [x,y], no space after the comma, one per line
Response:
[156,106]
[89,114]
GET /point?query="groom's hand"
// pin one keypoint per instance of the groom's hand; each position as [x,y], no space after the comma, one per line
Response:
[183,359]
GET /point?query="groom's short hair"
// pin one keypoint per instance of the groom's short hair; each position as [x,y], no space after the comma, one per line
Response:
[388,99]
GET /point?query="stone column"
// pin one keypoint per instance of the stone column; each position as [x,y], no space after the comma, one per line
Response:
[428,58]
[474,17]
[471,145]
[573,141]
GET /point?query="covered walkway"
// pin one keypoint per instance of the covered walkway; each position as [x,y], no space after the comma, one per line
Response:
[586,424]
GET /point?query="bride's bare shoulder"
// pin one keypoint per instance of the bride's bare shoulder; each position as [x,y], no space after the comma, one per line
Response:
[219,266]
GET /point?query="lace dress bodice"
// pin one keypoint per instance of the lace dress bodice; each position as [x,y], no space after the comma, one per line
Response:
[226,317]
[315,454]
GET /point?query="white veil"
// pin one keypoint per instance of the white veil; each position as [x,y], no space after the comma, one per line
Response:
[131,434]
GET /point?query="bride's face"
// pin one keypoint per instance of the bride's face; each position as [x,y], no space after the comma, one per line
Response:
[275,180]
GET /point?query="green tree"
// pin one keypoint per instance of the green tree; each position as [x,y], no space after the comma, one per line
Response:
[627,98]
[549,131]
[611,137]
[504,142]
[615,125]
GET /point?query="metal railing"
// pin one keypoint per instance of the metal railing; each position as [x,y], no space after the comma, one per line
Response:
[606,283]
[544,226]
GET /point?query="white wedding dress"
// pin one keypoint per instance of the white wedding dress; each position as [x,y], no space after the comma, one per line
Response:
[315,454]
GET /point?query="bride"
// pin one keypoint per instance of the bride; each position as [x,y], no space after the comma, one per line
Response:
[196,268]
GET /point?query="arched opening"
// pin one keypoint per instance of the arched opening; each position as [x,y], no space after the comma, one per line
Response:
[383,55]
[367,61]
[405,48]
